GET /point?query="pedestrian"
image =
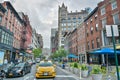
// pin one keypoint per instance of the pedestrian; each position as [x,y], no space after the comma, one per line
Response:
[63,65]
[5,61]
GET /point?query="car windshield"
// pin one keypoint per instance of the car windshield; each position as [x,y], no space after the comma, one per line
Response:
[45,64]
[19,65]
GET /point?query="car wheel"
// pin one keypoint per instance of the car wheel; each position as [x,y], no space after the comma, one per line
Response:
[29,71]
[23,73]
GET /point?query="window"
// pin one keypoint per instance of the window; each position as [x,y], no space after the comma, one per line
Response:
[88,45]
[103,23]
[79,19]
[92,44]
[96,27]
[103,11]
[114,5]
[0,19]
[98,42]
[116,18]
[69,19]
[91,30]
[96,16]
[87,33]
[0,35]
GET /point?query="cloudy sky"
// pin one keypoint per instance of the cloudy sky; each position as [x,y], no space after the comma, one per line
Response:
[43,14]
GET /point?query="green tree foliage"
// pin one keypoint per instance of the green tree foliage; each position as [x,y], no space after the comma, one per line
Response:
[37,52]
[59,53]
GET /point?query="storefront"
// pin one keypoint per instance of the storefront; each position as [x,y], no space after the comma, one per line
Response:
[6,42]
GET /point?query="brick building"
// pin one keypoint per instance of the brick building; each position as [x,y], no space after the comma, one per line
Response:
[81,40]
[12,22]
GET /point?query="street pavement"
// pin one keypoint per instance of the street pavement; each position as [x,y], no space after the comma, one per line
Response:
[62,74]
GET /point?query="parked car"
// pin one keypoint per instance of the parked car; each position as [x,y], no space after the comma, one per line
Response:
[1,75]
[45,69]
[34,62]
[6,68]
[19,70]
[30,62]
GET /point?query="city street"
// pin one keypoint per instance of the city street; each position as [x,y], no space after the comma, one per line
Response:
[61,75]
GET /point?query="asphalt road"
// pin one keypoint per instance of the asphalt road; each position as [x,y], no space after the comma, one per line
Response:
[61,75]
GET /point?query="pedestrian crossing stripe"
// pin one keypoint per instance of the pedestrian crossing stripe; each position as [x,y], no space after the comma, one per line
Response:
[64,76]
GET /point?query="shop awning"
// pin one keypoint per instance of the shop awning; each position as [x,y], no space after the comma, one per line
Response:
[72,56]
[105,51]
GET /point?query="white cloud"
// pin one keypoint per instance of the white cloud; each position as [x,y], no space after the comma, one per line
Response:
[43,14]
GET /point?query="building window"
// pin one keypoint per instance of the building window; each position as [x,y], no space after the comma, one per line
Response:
[0,19]
[98,42]
[96,27]
[79,19]
[69,18]
[103,11]
[114,5]
[91,20]
[116,18]
[87,33]
[92,44]
[0,35]
[103,23]
[96,16]
[88,45]
[91,30]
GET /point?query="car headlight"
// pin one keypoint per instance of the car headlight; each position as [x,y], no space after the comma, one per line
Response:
[18,71]
[53,70]
[38,69]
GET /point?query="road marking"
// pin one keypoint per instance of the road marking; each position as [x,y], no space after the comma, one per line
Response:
[64,76]
[71,74]
[28,77]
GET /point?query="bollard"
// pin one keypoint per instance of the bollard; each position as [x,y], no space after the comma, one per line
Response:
[80,74]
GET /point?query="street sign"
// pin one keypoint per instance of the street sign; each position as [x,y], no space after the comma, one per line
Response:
[109,32]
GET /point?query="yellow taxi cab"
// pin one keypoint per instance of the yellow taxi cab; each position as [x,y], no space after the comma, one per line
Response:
[45,69]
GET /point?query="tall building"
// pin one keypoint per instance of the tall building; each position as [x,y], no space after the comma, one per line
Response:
[53,33]
[68,21]
[40,40]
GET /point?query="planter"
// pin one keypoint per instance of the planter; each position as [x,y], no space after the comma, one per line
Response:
[76,70]
[97,76]
[71,69]
[84,73]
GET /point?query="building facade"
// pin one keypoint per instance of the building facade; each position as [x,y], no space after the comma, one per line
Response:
[6,39]
[68,21]
[13,22]
[53,33]
[81,40]
[40,40]
[23,32]
[28,42]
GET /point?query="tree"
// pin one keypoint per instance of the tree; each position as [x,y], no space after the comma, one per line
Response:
[59,53]
[37,52]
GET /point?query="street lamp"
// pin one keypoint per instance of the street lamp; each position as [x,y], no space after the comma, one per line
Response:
[113,32]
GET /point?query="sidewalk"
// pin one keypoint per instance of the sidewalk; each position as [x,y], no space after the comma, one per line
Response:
[105,76]
[88,78]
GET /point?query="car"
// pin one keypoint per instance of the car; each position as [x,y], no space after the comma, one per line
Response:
[30,62]
[6,68]
[19,69]
[45,69]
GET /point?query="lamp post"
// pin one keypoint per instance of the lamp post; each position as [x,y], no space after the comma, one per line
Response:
[116,59]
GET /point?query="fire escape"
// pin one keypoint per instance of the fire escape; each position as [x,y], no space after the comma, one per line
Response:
[23,36]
